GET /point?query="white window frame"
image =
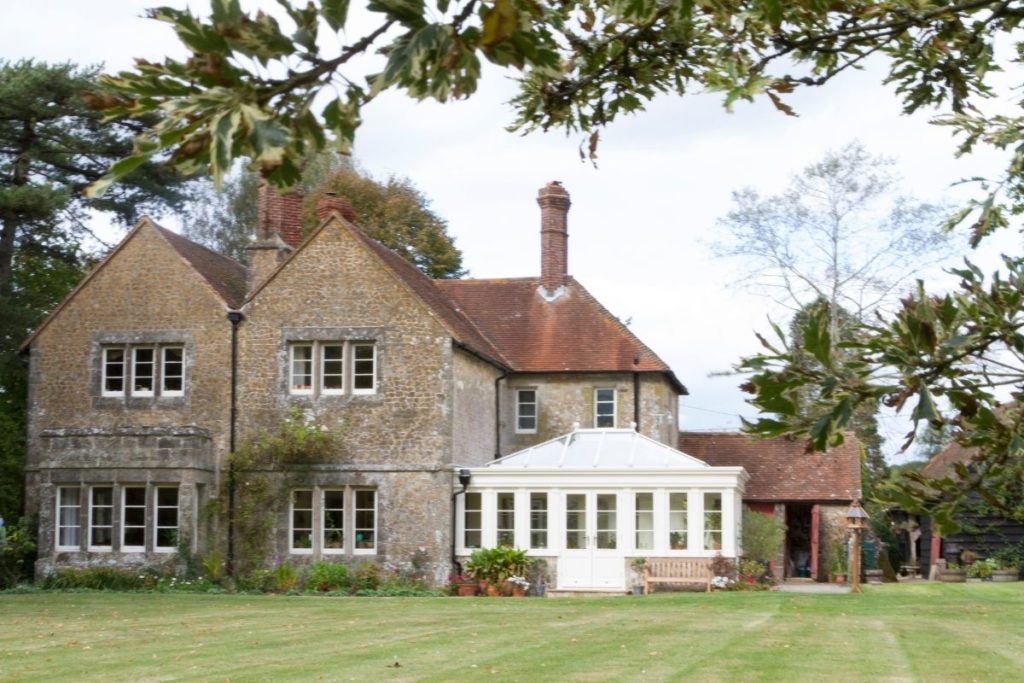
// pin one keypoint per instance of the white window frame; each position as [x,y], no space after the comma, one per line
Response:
[156,518]
[615,407]
[547,520]
[152,375]
[323,521]
[291,522]
[355,525]
[164,391]
[510,514]
[519,416]
[124,516]
[637,511]
[322,367]
[124,371]
[77,507]
[479,511]
[688,515]
[292,348]
[92,525]
[704,528]
[373,348]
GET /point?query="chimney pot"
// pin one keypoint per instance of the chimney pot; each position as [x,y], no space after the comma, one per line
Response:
[554,235]
[332,203]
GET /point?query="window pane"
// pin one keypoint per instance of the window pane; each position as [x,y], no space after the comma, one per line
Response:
[712,521]
[607,520]
[135,495]
[101,516]
[133,516]
[538,520]
[302,368]
[167,517]
[142,371]
[526,410]
[68,502]
[302,520]
[575,521]
[113,371]
[173,381]
[363,367]
[506,519]
[644,521]
[135,536]
[332,368]
[334,520]
[604,408]
[677,521]
[472,518]
[365,532]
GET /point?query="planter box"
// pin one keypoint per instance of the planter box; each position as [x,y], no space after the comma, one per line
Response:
[952,576]
[1002,575]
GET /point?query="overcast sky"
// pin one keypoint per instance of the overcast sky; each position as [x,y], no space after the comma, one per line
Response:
[639,224]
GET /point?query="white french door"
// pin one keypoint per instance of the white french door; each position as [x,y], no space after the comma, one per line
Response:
[591,547]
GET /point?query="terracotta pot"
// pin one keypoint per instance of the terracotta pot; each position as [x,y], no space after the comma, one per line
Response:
[518,592]
[493,591]
[466,590]
[839,578]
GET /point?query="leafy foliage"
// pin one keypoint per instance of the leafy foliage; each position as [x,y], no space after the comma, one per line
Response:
[496,565]
[763,536]
[51,147]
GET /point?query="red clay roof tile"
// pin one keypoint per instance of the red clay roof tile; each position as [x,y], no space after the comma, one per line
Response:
[780,469]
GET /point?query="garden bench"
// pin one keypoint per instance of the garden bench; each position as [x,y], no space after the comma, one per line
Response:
[677,570]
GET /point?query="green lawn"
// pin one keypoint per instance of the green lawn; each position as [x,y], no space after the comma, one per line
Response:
[924,632]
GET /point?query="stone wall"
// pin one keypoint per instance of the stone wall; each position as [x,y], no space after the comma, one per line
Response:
[832,531]
[568,398]
[473,425]
[397,440]
[144,294]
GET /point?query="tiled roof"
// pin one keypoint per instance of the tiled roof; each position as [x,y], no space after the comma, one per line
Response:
[225,275]
[435,297]
[941,464]
[572,333]
[780,469]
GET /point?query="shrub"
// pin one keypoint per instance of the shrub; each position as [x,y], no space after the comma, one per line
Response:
[366,577]
[326,577]
[213,566]
[100,579]
[763,536]
[258,580]
[286,577]
[17,554]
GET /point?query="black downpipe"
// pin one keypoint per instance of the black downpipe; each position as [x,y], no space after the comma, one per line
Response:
[636,400]
[234,317]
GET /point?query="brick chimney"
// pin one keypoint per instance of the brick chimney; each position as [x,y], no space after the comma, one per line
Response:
[332,203]
[554,237]
[278,231]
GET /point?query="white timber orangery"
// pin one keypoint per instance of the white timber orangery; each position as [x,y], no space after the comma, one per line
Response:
[591,500]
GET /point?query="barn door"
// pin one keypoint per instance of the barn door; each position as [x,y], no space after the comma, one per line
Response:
[814,541]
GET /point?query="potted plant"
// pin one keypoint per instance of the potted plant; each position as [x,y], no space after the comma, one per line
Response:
[637,564]
[968,557]
[519,586]
[981,570]
[494,566]
[463,586]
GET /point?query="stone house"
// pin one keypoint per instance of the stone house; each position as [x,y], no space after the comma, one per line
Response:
[168,358]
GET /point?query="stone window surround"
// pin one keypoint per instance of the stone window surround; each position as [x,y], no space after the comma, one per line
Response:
[536,409]
[129,340]
[327,335]
[318,528]
[85,518]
